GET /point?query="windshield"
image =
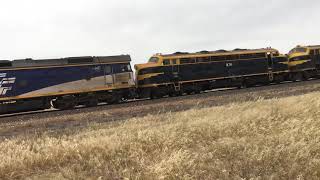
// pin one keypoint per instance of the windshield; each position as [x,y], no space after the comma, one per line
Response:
[300,58]
[154,60]
[298,50]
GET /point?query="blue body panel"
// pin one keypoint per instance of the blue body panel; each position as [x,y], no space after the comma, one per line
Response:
[16,82]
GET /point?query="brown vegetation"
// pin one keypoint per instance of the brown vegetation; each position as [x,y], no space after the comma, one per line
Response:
[264,139]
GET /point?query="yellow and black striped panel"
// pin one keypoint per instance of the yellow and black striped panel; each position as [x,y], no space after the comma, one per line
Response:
[303,58]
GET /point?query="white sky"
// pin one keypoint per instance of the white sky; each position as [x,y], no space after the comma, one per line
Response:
[141,28]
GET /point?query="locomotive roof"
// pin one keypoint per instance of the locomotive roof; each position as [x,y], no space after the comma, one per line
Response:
[309,47]
[314,47]
[64,61]
[222,52]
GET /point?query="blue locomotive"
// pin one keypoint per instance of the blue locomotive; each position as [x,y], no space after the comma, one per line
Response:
[29,84]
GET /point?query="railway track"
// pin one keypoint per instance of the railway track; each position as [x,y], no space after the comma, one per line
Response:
[53,112]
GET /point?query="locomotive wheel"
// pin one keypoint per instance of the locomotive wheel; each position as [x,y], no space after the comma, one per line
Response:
[306,75]
[114,100]
[64,103]
[298,77]
[198,91]
[175,93]
[244,85]
[189,92]
[154,96]
[279,79]
[91,103]
[179,93]
[47,104]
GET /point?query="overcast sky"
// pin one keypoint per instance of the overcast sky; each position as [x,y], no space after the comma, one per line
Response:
[62,28]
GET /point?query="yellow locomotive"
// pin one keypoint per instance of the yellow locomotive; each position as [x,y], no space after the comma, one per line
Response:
[179,73]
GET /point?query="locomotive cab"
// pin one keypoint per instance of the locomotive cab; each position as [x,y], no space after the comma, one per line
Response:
[153,62]
[148,75]
[146,70]
[298,56]
[65,83]
[304,62]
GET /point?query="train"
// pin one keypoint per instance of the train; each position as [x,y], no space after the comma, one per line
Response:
[66,83]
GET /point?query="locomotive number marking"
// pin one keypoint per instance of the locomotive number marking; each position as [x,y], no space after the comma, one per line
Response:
[229,65]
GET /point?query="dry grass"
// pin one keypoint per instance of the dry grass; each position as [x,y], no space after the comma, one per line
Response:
[265,139]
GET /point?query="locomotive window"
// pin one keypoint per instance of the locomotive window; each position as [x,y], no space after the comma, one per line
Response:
[218,58]
[252,56]
[298,50]
[301,50]
[154,60]
[184,61]
[236,56]
[214,58]
[261,55]
[203,59]
[245,56]
[174,61]
[129,68]
[258,55]
[166,62]
[232,57]
[300,58]
[5,64]
[187,60]
[124,68]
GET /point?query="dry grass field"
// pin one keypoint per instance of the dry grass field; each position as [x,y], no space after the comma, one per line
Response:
[263,139]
